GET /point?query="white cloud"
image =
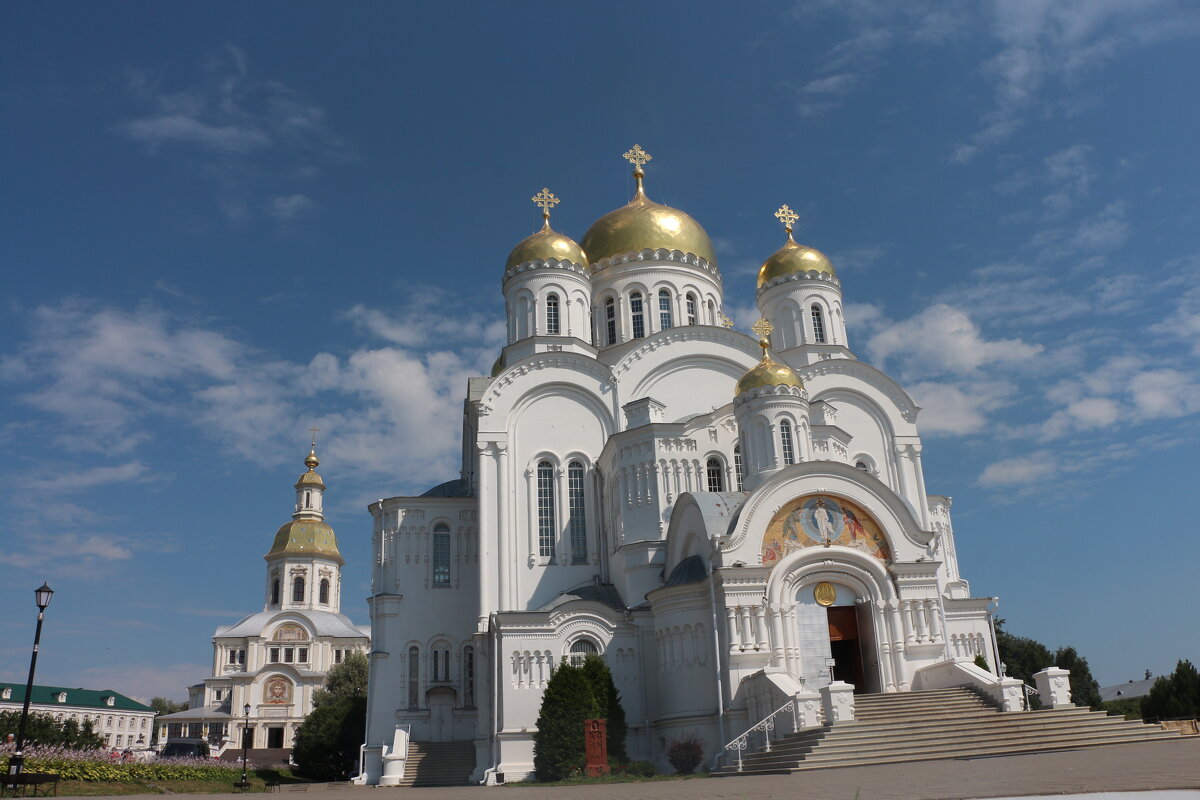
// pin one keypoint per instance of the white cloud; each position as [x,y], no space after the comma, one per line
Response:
[86,479]
[1070,177]
[287,207]
[1018,471]
[1160,393]
[140,680]
[958,408]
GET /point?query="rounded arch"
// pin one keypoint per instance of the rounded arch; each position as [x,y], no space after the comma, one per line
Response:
[536,376]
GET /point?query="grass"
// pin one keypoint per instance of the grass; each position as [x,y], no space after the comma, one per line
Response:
[261,780]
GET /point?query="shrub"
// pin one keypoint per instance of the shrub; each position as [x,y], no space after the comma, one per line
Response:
[685,754]
[87,765]
[558,745]
[642,769]
[609,700]
[328,741]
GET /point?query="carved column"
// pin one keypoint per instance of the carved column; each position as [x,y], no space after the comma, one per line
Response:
[760,623]
[778,658]
[735,638]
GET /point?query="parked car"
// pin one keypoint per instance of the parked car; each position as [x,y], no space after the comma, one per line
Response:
[185,748]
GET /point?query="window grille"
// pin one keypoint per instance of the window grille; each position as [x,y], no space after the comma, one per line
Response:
[785,438]
[552,314]
[716,478]
[818,325]
[414,674]
[691,309]
[325,591]
[298,590]
[581,650]
[635,310]
[468,677]
[610,320]
[545,494]
[665,319]
[575,504]
[441,555]
[738,468]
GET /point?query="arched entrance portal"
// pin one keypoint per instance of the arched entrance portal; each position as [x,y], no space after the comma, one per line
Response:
[836,636]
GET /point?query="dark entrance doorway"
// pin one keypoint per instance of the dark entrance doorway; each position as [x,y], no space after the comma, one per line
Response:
[844,646]
[275,738]
[248,738]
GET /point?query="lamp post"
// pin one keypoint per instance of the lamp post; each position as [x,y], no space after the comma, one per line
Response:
[42,597]
[244,783]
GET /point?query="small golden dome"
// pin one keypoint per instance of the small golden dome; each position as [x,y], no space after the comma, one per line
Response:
[310,478]
[546,244]
[311,461]
[794,258]
[768,373]
[305,537]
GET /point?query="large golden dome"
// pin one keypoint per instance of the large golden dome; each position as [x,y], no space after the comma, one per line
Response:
[306,537]
[643,224]
[794,258]
[545,245]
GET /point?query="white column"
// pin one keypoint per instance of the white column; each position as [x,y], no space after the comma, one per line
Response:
[922,500]
[760,623]
[735,637]
[777,651]
[505,591]
[487,530]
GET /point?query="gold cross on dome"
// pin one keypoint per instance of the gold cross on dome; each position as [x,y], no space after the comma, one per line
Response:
[726,322]
[313,431]
[787,217]
[545,200]
[638,157]
[762,328]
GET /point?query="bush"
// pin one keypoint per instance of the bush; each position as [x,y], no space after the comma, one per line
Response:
[1175,696]
[86,765]
[609,700]
[328,741]
[686,754]
[641,769]
[558,745]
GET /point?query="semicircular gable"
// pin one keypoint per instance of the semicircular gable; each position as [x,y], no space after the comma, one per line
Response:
[881,389]
[822,520]
[569,372]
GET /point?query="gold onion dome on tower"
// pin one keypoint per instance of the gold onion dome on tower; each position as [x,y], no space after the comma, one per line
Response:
[643,224]
[767,372]
[546,243]
[306,536]
[311,478]
[793,258]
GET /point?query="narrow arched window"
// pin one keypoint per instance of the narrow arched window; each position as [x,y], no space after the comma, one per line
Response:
[414,676]
[324,591]
[545,497]
[552,314]
[275,592]
[610,321]
[785,440]
[577,526]
[308,499]
[638,315]
[691,309]
[441,555]
[298,590]
[712,312]
[468,673]
[738,467]
[818,325]
[665,318]
[581,649]
[716,475]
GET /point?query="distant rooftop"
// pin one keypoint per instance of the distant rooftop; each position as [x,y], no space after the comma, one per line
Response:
[1127,690]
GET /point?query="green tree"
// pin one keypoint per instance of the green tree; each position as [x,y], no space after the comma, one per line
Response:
[558,745]
[164,706]
[45,729]
[1174,696]
[1085,691]
[609,700]
[328,740]
[1023,657]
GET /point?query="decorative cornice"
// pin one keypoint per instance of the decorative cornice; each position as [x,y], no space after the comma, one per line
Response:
[690,259]
[539,361]
[811,275]
[858,369]
[778,391]
[683,333]
[549,263]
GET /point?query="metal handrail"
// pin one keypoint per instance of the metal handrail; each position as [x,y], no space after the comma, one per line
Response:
[766,725]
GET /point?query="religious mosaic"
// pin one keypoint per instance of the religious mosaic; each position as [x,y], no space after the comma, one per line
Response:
[277,690]
[290,632]
[820,521]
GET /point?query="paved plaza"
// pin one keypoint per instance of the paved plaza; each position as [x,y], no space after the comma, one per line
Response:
[1161,766]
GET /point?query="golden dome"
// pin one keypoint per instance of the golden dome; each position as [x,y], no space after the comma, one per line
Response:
[643,224]
[546,244]
[794,258]
[305,537]
[310,478]
[768,373]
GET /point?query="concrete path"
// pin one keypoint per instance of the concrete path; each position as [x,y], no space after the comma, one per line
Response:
[1117,768]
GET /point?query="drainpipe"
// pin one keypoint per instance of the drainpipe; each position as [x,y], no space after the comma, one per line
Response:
[490,773]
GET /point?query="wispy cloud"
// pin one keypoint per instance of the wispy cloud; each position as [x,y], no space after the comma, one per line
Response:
[87,478]
[285,208]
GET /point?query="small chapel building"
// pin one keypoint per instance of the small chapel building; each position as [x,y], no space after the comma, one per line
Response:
[724,518]
[274,660]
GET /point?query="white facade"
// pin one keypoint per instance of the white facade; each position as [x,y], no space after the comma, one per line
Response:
[655,488]
[119,720]
[274,660]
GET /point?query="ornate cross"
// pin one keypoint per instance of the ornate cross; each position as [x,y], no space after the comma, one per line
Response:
[313,431]
[545,200]
[762,328]
[726,322]
[637,156]
[787,217]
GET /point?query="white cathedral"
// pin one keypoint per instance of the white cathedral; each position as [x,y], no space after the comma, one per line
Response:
[728,522]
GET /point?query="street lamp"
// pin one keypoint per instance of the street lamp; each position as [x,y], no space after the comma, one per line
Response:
[244,783]
[42,597]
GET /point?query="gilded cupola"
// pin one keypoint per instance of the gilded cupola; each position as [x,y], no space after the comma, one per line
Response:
[547,243]
[643,224]
[793,258]
[767,372]
[307,533]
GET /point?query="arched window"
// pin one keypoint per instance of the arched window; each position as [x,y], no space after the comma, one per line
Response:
[785,439]
[738,468]
[545,495]
[581,649]
[635,310]
[308,499]
[468,680]
[691,309]
[552,314]
[818,325]
[610,321]
[414,676]
[441,555]
[577,526]
[324,591]
[665,318]
[275,592]
[716,475]
[298,590]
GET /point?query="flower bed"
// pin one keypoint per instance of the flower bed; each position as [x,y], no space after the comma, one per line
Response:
[98,765]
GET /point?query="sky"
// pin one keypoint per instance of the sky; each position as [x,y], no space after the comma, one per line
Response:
[225,223]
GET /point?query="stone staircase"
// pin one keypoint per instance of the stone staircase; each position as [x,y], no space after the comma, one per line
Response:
[937,724]
[259,756]
[439,764]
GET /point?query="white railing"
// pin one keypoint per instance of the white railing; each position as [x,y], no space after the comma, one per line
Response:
[1029,692]
[765,725]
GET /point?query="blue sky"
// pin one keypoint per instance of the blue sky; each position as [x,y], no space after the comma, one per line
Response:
[224,224]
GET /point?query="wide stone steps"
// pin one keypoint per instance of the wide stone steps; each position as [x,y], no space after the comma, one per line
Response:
[946,723]
[439,764]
